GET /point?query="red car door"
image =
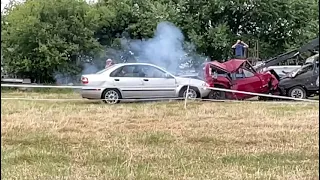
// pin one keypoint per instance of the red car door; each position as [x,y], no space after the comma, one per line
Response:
[246,81]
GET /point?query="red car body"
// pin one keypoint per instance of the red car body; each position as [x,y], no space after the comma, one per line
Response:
[238,74]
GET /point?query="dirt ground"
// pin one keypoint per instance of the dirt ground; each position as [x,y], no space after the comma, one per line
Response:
[160,140]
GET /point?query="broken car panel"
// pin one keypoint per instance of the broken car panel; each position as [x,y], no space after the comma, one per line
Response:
[302,82]
[238,74]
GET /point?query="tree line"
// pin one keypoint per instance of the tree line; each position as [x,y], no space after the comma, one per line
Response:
[41,38]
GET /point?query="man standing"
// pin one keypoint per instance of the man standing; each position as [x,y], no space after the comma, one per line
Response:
[108,63]
[240,48]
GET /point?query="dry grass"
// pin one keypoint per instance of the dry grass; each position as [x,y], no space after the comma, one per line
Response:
[85,140]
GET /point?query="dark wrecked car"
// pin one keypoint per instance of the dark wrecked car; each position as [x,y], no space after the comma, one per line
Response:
[238,74]
[302,82]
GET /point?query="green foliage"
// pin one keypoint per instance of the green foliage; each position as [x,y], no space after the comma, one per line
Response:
[44,37]
[40,38]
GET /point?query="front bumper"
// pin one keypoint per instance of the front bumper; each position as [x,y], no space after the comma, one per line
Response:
[204,92]
[282,91]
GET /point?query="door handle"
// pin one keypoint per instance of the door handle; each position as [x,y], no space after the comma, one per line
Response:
[146,79]
[116,79]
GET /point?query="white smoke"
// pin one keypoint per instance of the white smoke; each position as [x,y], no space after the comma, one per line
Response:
[166,49]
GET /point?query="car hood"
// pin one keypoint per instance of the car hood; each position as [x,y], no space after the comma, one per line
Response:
[191,81]
[229,66]
[193,76]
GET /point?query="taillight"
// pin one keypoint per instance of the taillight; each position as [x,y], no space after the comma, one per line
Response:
[84,80]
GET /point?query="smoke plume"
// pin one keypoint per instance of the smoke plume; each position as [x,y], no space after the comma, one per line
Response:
[166,49]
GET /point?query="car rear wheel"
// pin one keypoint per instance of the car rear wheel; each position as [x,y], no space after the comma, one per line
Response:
[111,96]
[219,95]
[297,92]
[191,93]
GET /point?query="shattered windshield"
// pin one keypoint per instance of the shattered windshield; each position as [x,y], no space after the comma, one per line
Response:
[307,67]
[308,64]
[303,69]
[312,59]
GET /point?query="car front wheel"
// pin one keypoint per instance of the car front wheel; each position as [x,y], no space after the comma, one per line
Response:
[190,93]
[218,95]
[297,92]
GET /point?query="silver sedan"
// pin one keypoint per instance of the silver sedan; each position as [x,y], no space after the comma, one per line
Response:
[139,81]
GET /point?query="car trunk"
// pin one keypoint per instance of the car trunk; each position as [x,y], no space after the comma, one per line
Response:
[92,80]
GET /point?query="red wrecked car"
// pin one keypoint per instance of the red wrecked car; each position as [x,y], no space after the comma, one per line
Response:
[238,74]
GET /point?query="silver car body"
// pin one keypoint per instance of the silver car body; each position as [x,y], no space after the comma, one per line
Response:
[162,85]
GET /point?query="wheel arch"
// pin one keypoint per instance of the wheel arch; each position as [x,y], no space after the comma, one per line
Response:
[186,87]
[301,86]
[106,89]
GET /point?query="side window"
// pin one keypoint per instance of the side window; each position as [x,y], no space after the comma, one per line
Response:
[152,72]
[222,73]
[127,71]
[247,73]
[115,73]
[239,74]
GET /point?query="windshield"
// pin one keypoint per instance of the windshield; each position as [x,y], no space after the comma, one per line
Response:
[312,58]
[307,67]
[302,70]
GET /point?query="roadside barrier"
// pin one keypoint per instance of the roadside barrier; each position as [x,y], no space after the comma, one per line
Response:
[157,99]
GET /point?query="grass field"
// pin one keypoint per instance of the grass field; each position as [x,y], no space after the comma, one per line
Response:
[91,140]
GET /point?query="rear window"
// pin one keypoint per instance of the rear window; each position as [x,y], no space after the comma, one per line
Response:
[104,70]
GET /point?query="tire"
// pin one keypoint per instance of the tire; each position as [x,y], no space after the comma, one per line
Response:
[193,92]
[297,92]
[219,95]
[262,98]
[113,95]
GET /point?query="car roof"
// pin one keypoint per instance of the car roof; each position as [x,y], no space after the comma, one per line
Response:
[137,64]
[134,63]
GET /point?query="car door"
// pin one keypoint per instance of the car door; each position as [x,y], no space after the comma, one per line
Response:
[128,81]
[157,83]
[246,81]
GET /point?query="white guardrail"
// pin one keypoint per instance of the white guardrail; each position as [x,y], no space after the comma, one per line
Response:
[212,88]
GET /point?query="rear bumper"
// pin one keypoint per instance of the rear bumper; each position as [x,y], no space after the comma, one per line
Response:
[91,93]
